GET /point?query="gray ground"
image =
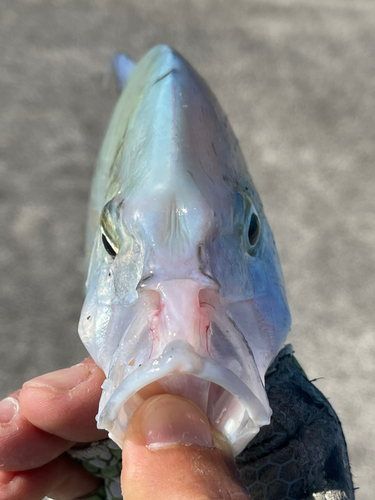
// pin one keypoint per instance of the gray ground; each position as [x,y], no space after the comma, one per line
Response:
[297,79]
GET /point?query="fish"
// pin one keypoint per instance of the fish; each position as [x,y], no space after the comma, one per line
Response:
[185,291]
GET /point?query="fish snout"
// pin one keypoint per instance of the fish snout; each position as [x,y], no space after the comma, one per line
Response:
[183,310]
[192,354]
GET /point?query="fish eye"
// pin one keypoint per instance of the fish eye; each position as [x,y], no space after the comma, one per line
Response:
[254,229]
[108,247]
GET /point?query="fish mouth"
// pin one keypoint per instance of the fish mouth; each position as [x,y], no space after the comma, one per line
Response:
[230,405]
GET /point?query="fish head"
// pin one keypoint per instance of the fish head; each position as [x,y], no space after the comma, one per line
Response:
[185,292]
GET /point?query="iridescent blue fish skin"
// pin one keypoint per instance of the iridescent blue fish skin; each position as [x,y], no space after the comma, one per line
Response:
[185,287]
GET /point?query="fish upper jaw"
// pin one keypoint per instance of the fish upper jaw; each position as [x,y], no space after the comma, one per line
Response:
[193,350]
[180,315]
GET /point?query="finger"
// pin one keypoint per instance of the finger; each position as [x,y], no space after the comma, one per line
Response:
[22,445]
[65,402]
[170,451]
[62,478]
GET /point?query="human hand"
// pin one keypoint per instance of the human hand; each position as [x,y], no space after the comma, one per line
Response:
[170,449]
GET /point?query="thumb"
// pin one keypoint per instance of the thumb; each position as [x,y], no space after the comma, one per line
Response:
[171,451]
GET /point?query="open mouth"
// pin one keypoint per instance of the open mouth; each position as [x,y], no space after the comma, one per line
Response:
[230,405]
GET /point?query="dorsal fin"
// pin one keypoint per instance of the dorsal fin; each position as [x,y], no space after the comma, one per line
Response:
[122,66]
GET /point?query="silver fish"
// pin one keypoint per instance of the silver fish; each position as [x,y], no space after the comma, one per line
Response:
[185,289]
[172,196]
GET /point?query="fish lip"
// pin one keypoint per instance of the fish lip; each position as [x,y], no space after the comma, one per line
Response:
[179,357]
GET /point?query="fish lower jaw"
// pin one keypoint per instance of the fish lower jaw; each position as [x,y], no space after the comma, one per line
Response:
[230,405]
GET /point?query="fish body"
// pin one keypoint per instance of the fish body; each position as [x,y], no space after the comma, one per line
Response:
[185,291]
